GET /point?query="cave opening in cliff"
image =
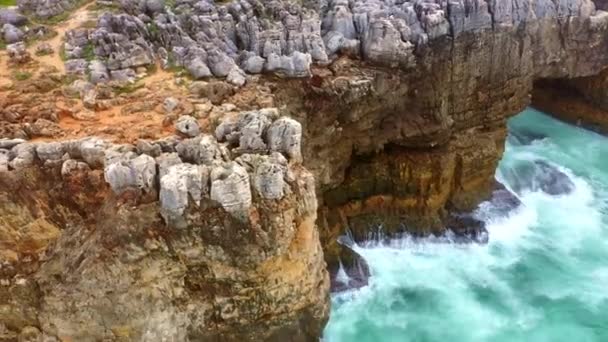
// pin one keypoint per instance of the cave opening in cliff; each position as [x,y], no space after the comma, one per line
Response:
[581,101]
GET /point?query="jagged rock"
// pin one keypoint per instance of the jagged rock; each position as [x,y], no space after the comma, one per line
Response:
[285,135]
[253,64]
[269,177]
[12,34]
[91,150]
[98,72]
[89,99]
[23,156]
[182,181]
[76,66]
[124,172]
[248,131]
[11,16]
[237,77]
[203,149]
[146,147]
[123,75]
[71,166]
[231,188]
[198,69]
[187,126]
[50,151]
[18,53]
[170,104]
[44,49]
[165,161]
[296,65]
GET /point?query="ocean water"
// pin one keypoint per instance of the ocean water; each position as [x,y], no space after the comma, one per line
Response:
[543,276]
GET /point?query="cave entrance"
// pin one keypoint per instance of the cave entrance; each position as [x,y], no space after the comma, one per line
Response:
[580,101]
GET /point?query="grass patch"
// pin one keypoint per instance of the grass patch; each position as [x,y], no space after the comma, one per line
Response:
[22,75]
[88,52]
[2,44]
[62,54]
[128,88]
[8,3]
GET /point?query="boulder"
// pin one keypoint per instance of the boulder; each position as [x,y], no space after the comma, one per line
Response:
[12,34]
[187,126]
[285,136]
[230,187]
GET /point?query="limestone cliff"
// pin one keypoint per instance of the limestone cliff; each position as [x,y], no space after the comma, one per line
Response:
[102,241]
[400,105]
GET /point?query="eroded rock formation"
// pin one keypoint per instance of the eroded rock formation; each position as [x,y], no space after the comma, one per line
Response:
[100,242]
[392,118]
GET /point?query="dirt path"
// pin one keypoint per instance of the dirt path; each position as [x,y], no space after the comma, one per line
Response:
[75,20]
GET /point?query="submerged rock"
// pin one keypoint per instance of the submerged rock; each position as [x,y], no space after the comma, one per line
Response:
[539,175]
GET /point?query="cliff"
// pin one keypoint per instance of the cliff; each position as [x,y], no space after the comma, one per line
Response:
[401,108]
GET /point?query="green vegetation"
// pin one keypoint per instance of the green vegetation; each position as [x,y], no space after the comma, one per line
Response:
[8,3]
[22,75]
[128,88]
[62,54]
[88,52]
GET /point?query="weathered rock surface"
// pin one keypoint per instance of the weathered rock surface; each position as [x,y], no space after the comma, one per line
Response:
[394,116]
[216,249]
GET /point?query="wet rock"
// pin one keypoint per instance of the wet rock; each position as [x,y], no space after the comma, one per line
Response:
[521,136]
[466,228]
[351,271]
[539,176]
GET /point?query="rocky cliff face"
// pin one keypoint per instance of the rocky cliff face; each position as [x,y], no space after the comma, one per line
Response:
[400,105]
[197,242]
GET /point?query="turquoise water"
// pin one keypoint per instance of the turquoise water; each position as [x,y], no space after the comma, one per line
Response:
[543,276]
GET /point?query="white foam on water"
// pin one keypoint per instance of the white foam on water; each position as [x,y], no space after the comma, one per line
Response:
[420,290]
